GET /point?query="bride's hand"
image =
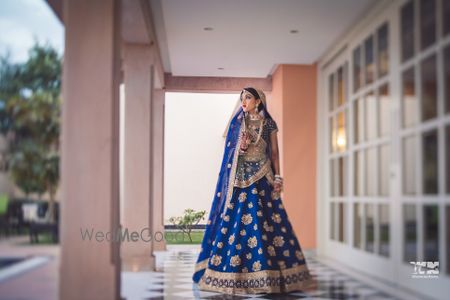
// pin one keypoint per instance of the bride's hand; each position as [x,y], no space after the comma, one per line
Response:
[277,187]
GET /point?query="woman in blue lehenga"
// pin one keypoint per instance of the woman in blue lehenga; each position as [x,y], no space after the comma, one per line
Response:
[249,245]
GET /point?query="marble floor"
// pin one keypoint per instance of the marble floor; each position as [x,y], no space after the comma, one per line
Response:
[174,281]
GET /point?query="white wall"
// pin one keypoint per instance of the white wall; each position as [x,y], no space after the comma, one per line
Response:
[194,125]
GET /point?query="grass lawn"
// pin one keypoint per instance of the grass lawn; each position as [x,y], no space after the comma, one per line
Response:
[177,237]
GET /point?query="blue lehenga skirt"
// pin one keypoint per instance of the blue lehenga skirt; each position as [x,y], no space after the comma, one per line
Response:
[254,248]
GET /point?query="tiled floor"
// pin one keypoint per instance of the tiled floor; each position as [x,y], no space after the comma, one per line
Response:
[176,267]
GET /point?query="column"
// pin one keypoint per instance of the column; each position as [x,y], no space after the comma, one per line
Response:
[90,268]
[138,78]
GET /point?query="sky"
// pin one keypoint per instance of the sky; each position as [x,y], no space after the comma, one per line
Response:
[24,21]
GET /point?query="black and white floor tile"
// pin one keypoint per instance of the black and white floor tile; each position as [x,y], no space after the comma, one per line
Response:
[174,281]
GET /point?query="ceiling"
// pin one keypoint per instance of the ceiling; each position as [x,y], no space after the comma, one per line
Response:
[248,37]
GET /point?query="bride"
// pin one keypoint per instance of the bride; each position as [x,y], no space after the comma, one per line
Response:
[249,244]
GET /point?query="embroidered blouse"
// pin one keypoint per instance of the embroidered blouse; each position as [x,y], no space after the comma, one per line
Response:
[254,163]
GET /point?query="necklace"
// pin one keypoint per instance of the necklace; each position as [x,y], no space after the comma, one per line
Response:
[261,123]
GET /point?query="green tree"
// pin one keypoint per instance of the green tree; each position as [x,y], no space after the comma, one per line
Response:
[187,221]
[30,120]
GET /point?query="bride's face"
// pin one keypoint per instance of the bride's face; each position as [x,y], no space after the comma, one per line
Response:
[248,102]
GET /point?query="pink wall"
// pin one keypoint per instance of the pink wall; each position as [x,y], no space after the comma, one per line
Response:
[293,106]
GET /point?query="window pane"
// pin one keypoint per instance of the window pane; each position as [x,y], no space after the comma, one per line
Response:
[341,86]
[341,137]
[384,229]
[385,116]
[447,160]
[357,216]
[431,233]
[333,178]
[430,162]
[359,182]
[427,23]
[429,88]
[446,17]
[342,178]
[410,233]
[409,103]
[331,91]
[371,116]
[407,30]
[447,233]
[370,227]
[383,54]
[447,78]
[359,121]
[371,164]
[384,169]
[409,165]
[332,137]
[357,72]
[332,221]
[342,222]
[369,59]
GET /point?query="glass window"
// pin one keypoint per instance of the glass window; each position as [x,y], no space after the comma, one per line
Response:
[341,211]
[357,72]
[431,233]
[447,233]
[338,175]
[359,121]
[332,137]
[385,115]
[384,229]
[409,99]
[333,178]
[341,86]
[409,165]
[430,162]
[371,171]
[410,233]
[341,136]
[370,227]
[342,161]
[331,94]
[384,169]
[371,112]
[447,159]
[446,17]
[427,23]
[369,60]
[357,223]
[332,221]
[429,88]
[382,47]
[447,78]
[359,164]
[407,30]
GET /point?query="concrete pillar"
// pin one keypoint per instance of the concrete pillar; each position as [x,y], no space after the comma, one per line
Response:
[158,168]
[90,269]
[138,79]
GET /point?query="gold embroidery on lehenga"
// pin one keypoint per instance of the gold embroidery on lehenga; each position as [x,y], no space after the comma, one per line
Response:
[278,241]
[251,242]
[216,259]
[235,261]
[256,266]
[271,250]
[247,219]
[263,281]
